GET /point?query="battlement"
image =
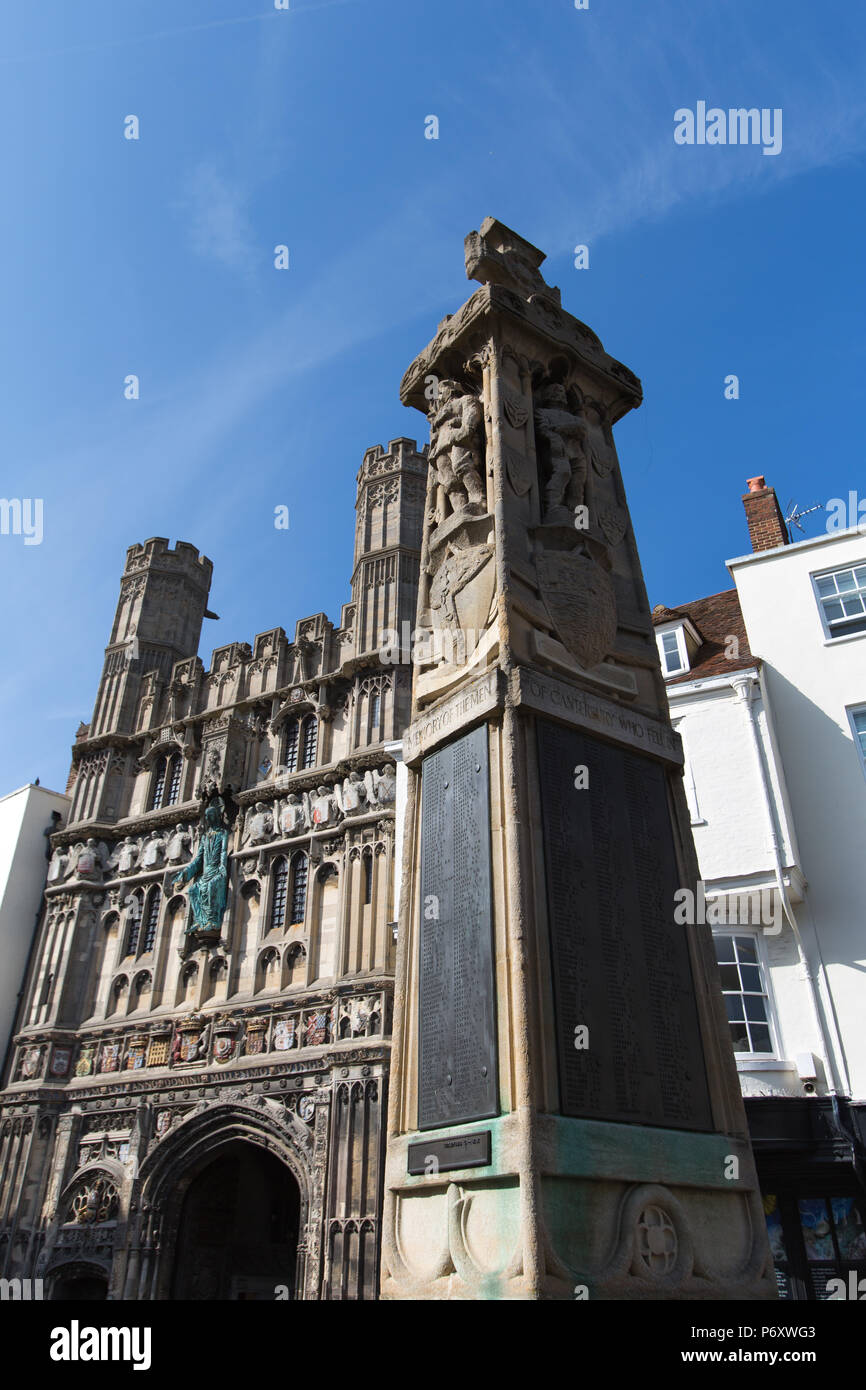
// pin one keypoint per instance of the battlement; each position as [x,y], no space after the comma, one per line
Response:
[401,453]
[157,550]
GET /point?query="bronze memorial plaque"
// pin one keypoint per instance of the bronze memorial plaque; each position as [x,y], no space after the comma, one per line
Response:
[457,1079]
[444,1155]
[621,965]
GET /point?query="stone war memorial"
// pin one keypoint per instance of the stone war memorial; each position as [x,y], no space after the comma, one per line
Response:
[564,1115]
[356,973]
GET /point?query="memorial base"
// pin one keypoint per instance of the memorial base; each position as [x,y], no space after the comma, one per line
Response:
[574,1210]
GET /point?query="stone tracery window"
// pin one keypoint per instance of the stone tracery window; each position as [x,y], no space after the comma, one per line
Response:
[165,788]
[151,917]
[279,893]
[300,874]
[93,1200]
[290,746]
[136,909]
[368,878]
[310,739]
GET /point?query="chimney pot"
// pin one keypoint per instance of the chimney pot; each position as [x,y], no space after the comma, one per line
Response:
[767,527]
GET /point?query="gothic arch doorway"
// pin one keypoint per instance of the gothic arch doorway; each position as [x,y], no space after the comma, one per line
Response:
[237,1237]
[78,1282]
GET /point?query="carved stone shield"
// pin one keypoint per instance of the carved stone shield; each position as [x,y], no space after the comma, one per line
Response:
[520,470]
[516,410]
[580,600]
[612,520]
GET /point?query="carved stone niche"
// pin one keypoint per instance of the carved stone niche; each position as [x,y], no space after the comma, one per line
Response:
[223,755]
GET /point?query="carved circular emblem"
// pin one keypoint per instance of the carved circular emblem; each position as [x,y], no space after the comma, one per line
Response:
[657,1243]
[306,1108]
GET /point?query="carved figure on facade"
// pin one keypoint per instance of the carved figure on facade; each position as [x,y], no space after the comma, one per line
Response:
[294,815]
[152,851]
[89,860]
[92,1201]
[351,794]
[59,866]
[177,847]
[30,1063]
[457,451]
[258,824]
[381,784]
[125,856]
[207,875]
[323,808]
[564,444]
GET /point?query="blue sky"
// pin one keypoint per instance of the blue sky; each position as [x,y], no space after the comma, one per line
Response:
[261,388]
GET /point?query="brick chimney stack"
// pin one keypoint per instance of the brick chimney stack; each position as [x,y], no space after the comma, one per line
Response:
[767,527]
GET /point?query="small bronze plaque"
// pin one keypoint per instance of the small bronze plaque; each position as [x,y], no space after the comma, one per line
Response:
[441,1155]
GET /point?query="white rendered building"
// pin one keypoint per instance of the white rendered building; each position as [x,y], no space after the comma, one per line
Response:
[27,816]
[767,687]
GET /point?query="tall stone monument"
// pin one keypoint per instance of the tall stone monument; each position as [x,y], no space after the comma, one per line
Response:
[565,1120]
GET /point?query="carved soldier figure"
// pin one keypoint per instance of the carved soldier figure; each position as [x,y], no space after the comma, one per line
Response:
[176,848]
[293,817]
[456,450]
[565,436]
[259,824]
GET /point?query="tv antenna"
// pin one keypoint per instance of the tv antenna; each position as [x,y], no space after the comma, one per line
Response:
[795,514]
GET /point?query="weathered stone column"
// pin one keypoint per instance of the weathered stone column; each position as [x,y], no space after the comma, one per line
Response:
[565,1118]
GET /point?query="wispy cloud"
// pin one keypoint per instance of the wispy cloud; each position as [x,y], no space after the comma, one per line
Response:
[609,132]
[219,227]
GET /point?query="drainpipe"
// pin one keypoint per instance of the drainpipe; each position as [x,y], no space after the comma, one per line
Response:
[744,688]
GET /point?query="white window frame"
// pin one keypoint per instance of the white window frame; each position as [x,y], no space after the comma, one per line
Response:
[831,634]
[851,710]
[679,631]
[772,1019]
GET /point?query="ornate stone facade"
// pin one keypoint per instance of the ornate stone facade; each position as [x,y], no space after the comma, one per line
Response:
[213,975]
